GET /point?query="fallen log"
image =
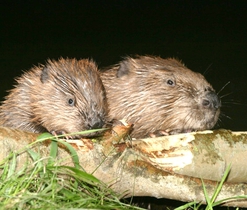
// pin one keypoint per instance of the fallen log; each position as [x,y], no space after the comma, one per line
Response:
[165,167]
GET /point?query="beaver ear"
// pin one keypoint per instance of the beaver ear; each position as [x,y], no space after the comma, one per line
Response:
[123,69]
[44,75]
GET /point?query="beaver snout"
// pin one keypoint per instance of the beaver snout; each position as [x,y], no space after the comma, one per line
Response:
[97,123]
[211,101]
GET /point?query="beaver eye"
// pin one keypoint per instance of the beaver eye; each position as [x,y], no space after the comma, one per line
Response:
[170,82]
[71,102]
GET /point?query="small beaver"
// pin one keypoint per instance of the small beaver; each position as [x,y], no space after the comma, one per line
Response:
[158,94]
[61,97]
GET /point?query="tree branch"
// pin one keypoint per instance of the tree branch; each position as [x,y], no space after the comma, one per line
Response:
[164,167]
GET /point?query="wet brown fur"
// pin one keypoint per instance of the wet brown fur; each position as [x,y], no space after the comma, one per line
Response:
[63,96]
[159,94]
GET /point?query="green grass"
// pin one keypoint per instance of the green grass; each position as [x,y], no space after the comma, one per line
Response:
[211,203]
[44,184]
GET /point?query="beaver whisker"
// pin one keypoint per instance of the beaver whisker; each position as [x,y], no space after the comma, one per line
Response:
[223,87]
[207,69]
[227,94]
[223,114]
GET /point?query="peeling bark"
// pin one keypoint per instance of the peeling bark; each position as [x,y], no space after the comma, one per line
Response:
[164,167]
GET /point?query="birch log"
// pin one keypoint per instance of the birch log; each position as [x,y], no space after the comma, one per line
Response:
[164,167]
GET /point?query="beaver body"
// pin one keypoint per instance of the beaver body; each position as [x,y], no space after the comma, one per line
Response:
[160,94]
[62,96]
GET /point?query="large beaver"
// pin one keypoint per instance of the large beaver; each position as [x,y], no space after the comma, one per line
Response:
[160,94]
[63,96]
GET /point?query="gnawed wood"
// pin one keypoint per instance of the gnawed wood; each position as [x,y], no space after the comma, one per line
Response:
[165,167]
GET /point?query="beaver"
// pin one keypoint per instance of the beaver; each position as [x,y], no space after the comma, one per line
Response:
[159,96]
[63,96]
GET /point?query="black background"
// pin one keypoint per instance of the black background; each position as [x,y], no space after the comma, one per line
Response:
[210,37]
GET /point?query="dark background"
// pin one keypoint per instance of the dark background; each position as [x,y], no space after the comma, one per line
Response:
[208,36]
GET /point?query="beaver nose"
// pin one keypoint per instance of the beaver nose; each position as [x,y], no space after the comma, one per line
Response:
[96,124]
[211,101]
